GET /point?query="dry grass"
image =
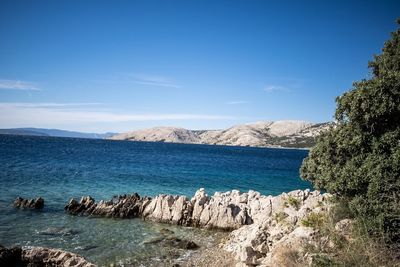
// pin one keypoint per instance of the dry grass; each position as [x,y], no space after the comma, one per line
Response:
[288,257]
[358,250]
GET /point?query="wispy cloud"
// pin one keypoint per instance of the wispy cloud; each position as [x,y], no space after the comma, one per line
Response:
[141,79]
[237,102]
[52,114]
[50,105]
[18,85]
[153,80]
[276,88]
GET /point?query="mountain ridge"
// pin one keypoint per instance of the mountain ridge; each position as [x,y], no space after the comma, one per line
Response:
[289,133]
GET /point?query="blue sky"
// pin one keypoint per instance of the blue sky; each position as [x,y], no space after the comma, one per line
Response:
[123,65]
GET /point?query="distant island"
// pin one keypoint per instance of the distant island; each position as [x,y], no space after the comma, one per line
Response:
[285,134]
[54,133]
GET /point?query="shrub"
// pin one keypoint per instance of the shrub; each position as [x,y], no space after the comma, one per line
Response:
[294,202]
[313,220]
[359,158]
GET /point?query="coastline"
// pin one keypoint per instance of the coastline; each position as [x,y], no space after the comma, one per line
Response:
[162,142]
[248,229]
[258,228]
[213,145]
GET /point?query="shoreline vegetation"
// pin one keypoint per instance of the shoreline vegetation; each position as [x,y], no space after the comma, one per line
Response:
[358,161]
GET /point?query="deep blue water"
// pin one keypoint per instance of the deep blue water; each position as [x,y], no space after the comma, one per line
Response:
[60,168]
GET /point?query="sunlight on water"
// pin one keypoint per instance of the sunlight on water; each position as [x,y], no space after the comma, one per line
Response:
[60,168]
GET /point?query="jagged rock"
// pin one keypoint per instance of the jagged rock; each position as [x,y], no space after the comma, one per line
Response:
[228,211]
[277,229]
[169,209]
[265,228]
[125,206]
[38,256]
[223,211]
[37,203]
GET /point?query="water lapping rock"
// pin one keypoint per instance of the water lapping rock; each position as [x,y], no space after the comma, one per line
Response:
[225,211]
[37,203]
[228,211]
[124,206]
[265,229]
[38,256]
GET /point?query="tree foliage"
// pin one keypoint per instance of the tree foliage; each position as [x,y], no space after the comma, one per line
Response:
[358,159]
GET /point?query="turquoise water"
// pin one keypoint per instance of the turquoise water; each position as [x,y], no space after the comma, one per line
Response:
[60,168]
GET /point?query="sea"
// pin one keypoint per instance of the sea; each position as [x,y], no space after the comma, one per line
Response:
[58,169]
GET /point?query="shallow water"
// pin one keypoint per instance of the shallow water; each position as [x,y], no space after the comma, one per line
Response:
[60,168]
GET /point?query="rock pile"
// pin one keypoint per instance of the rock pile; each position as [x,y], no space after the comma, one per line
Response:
[266,230]
[228,211]
[39,256]
[225,211]
[283,226]
[37,203]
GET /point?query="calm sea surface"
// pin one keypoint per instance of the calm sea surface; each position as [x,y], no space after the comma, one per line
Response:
[58,169]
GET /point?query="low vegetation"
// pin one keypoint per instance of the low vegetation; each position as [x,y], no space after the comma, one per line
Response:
[313,220]
[280,217]
[352,246]
[294,202]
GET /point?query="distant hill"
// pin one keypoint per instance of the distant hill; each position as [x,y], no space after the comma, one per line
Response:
[54,132]
[299,134]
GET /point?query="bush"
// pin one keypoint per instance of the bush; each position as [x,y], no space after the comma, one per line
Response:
[294,202]
[358,159]
[313,220]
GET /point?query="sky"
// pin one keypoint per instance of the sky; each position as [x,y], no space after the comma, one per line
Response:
[114,66]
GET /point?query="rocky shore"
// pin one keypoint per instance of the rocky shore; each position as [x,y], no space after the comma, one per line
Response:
[226,211]
[264,230]
[38,257]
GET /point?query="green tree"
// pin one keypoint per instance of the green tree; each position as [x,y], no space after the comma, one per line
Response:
[358,159]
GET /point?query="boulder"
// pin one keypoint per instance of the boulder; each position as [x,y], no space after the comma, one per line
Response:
[276,237]
[227,211]
[124,206]
[38,256]
[37,203]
